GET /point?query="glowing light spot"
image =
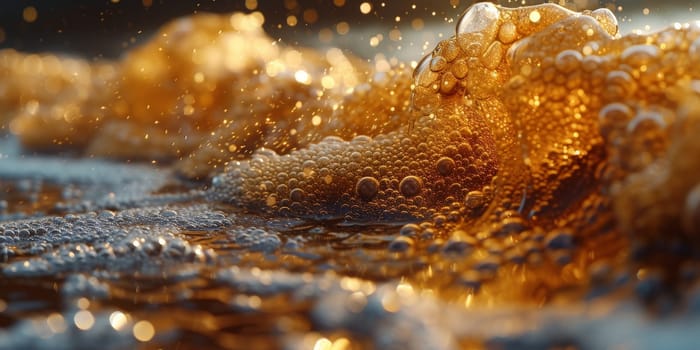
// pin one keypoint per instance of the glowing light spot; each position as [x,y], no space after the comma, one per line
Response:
[405,290]
[535,16]
[327,82]
[395,35]
[118,320]
[254,301]
[316,120]
[302,77]
[325,35]
[417,24]
[365,8]
[310,16]
[391,302]
[143,331]
[356,302]
[56,323]
[587,50]
[342,28]
[341,344]
[84,320]
[251,4]
[292,21]
[323,344]
[30,14]
[83,303]
[198,77]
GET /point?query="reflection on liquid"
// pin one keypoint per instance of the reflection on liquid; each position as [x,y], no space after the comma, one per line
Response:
[543,159]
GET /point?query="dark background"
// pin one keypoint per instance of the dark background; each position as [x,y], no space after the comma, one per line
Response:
[104,29]
[101,28]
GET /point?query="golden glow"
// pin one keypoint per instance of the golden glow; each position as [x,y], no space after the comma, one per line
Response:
[391,302]
[84,320]
[143,331]
[118,320]
[56,323]
[365,8]
[323,344]
[30,14]
[303,77]
[83,303]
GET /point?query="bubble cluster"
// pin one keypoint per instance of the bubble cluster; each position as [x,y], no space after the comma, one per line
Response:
[388,176]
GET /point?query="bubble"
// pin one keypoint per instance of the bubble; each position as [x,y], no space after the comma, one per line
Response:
[438,64]
[620,84]
[296,195]
[367,188]
[481,17]
[508,33]
[445,166]
[401,244]
[449,82]
[614,116]
[639,55]
[410,186]
[493,55]
[606,19]
[568,60]
[475,199]
[560,240]
[409,230]
[460,69]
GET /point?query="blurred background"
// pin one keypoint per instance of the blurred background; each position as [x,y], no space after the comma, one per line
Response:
[405,29]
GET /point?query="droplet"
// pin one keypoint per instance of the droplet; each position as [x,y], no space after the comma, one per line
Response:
[613,116]
[367,188]
[410,186]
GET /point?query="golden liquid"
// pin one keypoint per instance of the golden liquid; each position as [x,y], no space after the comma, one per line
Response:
[537,154]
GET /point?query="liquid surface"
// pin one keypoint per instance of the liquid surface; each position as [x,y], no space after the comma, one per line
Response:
[536,169]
